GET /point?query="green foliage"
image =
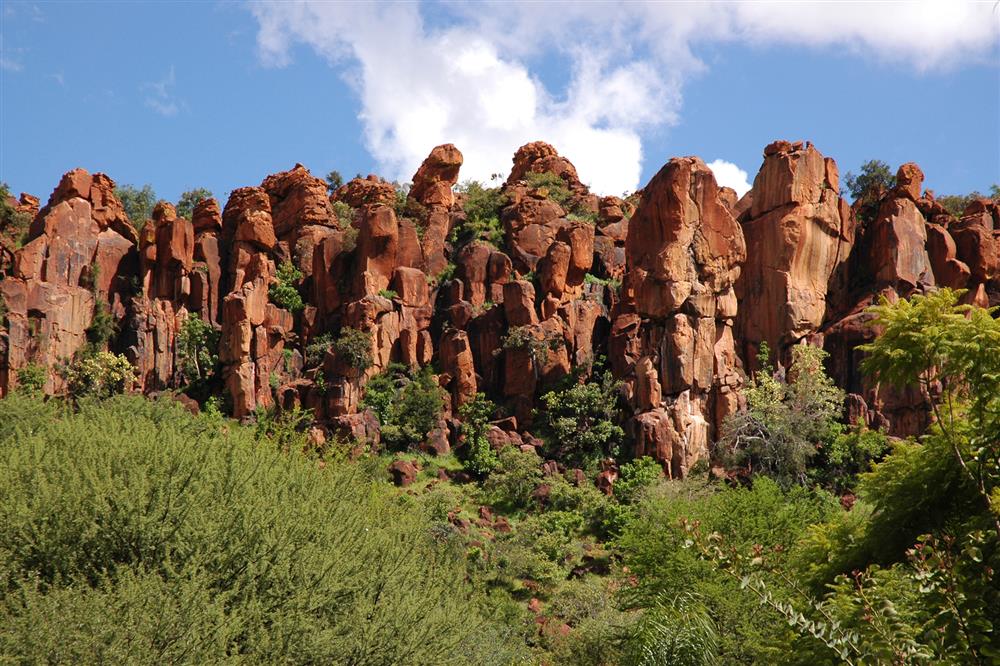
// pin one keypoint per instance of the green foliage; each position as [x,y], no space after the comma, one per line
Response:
[953,352]
[537,341]
[407,405]
[763,518]
[99,375]
[354,347]
[480,457]
[197,349]
[388,293]
[316,350]
[581,422]
[13,224]
[841,459]
[785,421]
[866,189]
[482,206]
[876,178]
[345,214]
[584,216]
[285,428]
[512,482]
[549,185]
[610,283]
[32,377]
[138,203]
[190,199]
[635,477]
[447,273]
[283,291]
[133,532]
[334,180]
[676,631]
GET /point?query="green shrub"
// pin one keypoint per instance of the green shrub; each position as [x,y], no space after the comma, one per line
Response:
[785,421]
[408,406]
[355,348]
[283,291]
[13,224]
[763,518]
[524,337]
[138,203]
[480,458]
[190,199]
[482,206]
[197,349]
[133,532]
[512,482]
[334,180]
[581,423]
[550,185]
[635,477]
[868,187]
[99,375]
[344,213]
[388,293]
[32,377]
[317,348]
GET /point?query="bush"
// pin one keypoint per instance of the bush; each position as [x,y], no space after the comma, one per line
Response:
[550,186]
[13,224]
[785,421]
[764,518]
[190,199]
[407,406]
[480,458]
[355,348]
[138,203]
[635,477]
[345,214]
[334,180]
[99,375]
[283,291]
[866,189]
[513,481]
[317,348]
[580,423]
[482,206]
[32,377]
[197,349]
[133,532]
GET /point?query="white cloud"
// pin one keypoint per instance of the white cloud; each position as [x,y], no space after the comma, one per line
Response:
[472,82]
[728,174]
[160,97]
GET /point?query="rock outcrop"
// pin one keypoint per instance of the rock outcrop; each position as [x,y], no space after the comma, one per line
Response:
[678,286]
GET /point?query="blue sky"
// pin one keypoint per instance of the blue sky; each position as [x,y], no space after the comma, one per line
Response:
[181,95]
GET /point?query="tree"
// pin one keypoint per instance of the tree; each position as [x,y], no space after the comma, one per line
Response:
[876,178]
[190,199]
[476,414]
[197,349]
[283,291]
[334,180]
[785,421]
[138,203]
[953,352]
[580,423]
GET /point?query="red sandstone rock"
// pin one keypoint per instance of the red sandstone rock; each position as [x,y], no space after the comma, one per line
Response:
[436,176]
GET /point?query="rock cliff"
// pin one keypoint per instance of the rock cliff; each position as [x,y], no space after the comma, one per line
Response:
[677,287]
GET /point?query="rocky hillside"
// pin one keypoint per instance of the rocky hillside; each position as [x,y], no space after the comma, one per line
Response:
[312,294]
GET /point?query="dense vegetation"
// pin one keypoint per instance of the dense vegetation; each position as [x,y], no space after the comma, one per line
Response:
[133,531]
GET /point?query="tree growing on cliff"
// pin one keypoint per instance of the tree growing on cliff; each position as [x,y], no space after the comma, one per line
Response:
[581,422]
[785,421]
[190,199]
[138,203]
[866,188]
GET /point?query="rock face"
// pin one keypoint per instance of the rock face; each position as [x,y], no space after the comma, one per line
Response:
[675,328]
[678,286]
[799,233]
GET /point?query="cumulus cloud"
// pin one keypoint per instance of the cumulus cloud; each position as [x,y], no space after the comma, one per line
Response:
[728,174]
[470,77]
